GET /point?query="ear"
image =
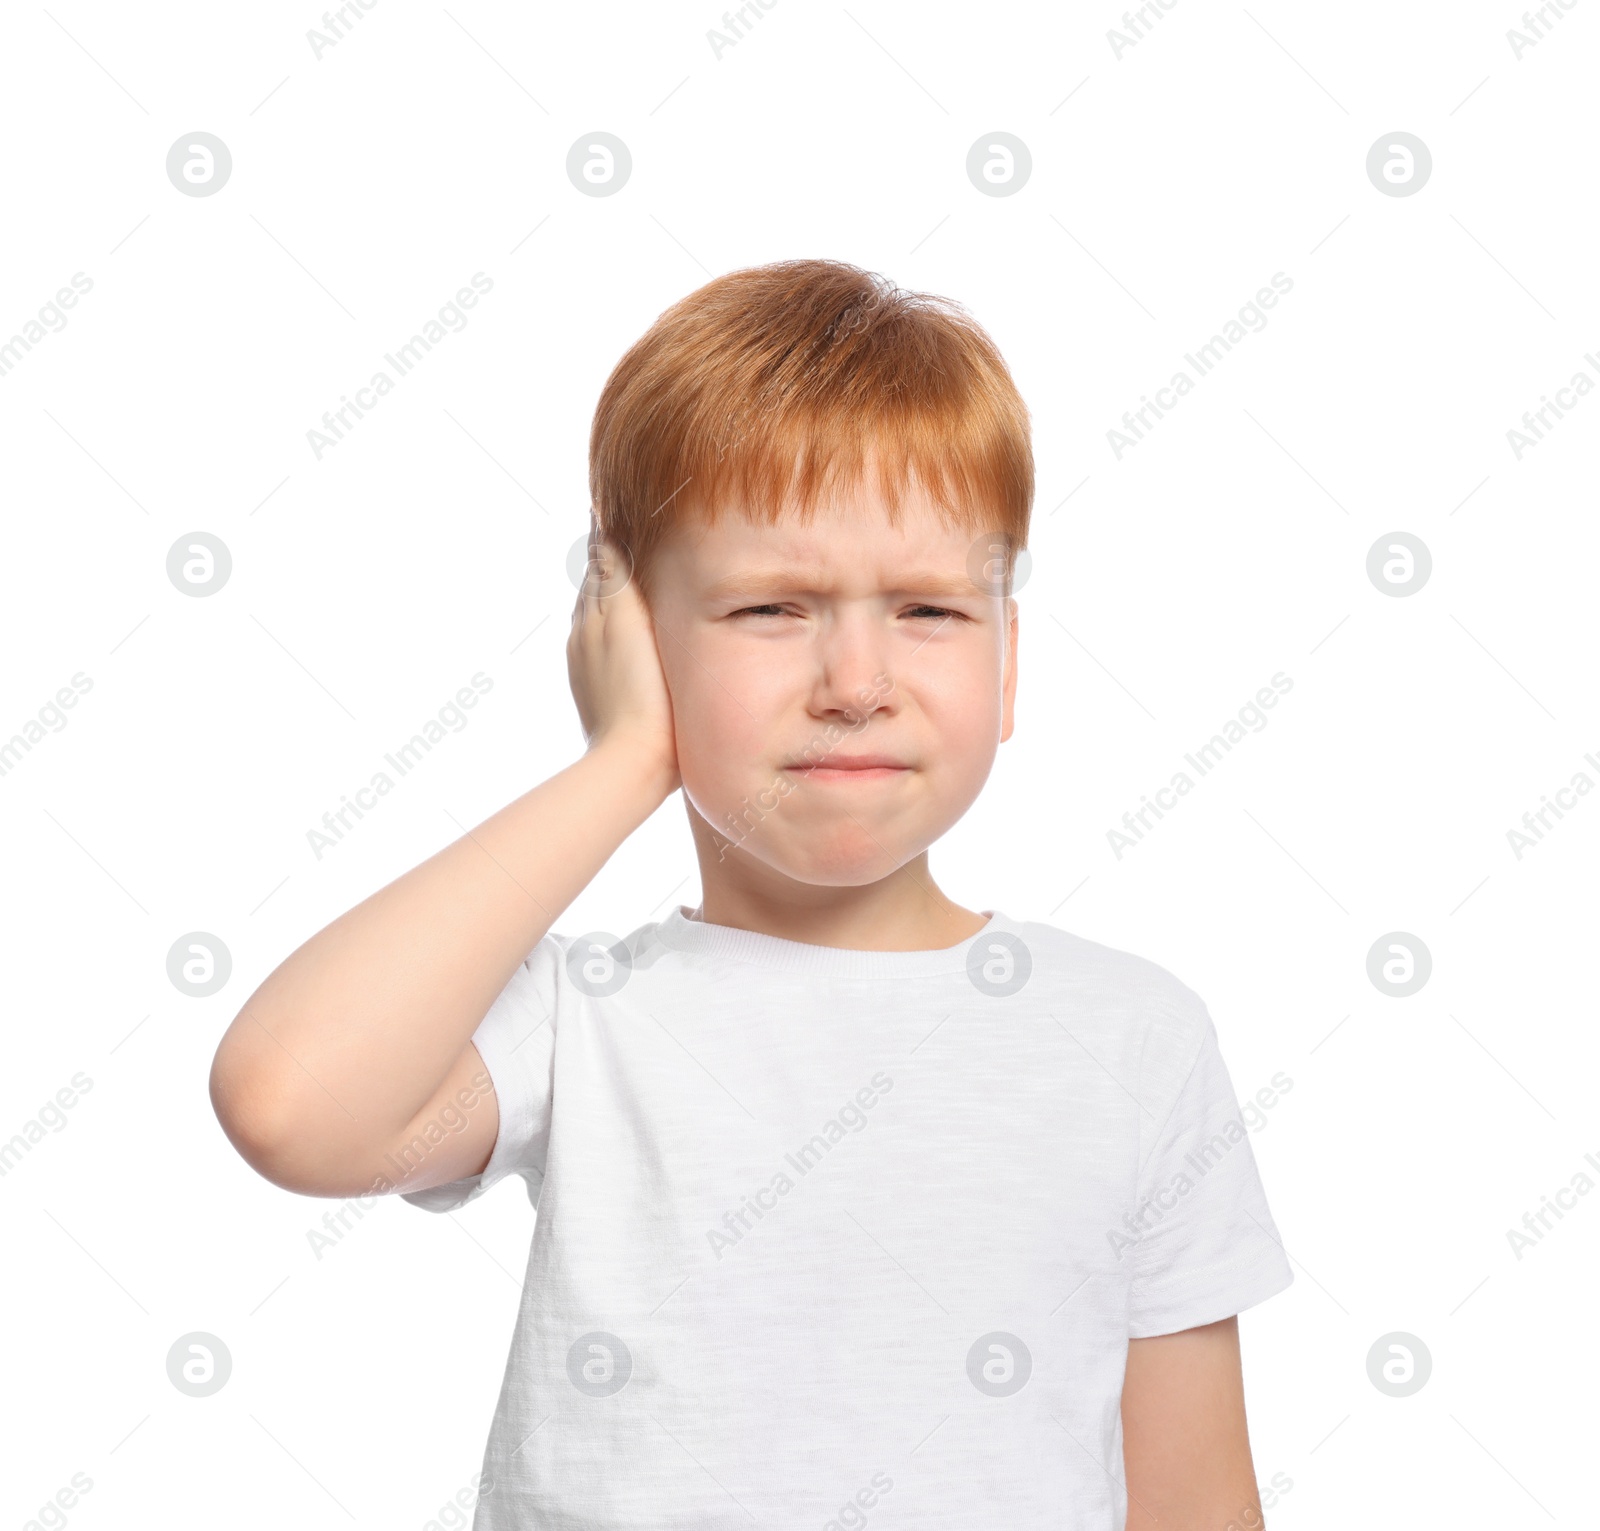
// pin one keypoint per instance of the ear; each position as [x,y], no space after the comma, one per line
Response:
[1009,685]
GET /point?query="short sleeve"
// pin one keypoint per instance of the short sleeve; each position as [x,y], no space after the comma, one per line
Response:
[1205,1246]
[516,1040]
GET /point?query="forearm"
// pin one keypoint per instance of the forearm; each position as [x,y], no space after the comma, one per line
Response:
[351,1034]
[1185,1441]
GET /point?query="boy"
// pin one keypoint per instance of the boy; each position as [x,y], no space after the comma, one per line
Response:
[855,1206]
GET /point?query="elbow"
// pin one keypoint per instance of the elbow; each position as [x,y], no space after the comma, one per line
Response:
[257,1111]
[281,1130]
[251,1118]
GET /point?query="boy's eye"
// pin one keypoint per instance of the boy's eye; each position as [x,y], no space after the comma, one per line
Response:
[924,612]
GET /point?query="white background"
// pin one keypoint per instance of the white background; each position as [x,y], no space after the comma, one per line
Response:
[1168,185]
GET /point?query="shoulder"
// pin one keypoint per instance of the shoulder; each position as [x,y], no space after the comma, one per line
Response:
[586,959]
[562,949]
[1156,1022]
[1104,972]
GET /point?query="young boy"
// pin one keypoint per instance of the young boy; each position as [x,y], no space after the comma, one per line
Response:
[855,1206]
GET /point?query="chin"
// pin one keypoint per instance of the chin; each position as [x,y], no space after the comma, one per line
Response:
[845,858]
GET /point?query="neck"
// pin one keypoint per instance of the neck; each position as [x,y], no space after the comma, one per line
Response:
[905,911]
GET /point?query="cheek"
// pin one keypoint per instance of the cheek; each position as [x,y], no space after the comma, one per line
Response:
[963,704]
[722,714]
[962,711]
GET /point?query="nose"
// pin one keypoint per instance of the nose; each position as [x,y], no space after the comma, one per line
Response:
[852,653]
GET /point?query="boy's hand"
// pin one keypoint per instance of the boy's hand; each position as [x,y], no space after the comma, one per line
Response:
[614,666]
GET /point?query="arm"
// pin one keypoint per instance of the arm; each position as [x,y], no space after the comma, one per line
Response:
[363,1033]
[1184,1441]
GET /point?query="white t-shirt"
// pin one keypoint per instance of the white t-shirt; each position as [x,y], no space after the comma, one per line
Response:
[832,1238]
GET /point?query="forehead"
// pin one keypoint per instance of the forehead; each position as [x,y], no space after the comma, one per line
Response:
[845,540]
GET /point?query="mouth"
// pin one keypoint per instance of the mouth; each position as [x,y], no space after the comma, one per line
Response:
[851,768]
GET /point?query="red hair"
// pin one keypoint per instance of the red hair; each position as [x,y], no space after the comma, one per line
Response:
[767,387]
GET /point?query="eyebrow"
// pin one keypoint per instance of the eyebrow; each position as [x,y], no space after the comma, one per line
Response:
[763,582]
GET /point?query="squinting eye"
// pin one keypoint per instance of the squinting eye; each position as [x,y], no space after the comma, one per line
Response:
[923,612]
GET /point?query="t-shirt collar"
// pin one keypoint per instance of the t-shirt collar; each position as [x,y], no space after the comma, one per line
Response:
[728,943]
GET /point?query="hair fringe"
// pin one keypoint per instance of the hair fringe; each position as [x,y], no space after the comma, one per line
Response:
[769,388]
